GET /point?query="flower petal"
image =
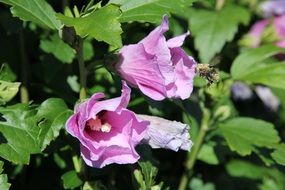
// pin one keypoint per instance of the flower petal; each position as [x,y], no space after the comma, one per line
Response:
[184,72]
[177,41]
[140,69]
[114,104]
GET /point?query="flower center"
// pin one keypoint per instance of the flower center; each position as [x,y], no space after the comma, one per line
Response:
[96,125]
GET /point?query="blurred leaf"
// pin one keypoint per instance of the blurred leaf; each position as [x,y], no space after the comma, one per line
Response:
[4,185]
[269,183]
[59,161]
[239,168]
[102,24]
[73,83]
[71,180]
[38,11]
[88,51]
[279,154]
[243,134]
[52,115]
[212,29]
[6,74]
[58,48]
[26,131]
[8,90]
[251,66]
[197,184]
[94,185]
[208,155]
[150,10]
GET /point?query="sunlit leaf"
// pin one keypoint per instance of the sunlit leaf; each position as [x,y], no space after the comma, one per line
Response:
[244,134]
[212,29]
[38,11]
[101,24]
[149,10]
[252,66]
[8,90]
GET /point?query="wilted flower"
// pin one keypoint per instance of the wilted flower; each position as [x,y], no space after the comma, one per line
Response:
[158,67]
[107,131]
[162,133]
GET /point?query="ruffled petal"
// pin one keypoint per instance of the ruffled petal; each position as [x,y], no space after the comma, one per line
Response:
[184,68]
[140,69]
[177,41]
[155,44]
[114,104]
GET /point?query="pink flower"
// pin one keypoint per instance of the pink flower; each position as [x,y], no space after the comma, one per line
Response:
[267,30]
[107,131]
[273,7]
[158,67]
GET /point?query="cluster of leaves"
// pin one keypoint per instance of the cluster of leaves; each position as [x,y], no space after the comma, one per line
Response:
[241,140]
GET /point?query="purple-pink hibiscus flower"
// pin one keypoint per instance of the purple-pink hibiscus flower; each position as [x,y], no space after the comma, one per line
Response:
[267,30]
[107,131]
[160,68]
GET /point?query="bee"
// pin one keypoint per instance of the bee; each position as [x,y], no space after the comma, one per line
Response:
[208,72]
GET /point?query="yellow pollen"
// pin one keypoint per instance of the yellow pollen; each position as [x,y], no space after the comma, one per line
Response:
[106,128]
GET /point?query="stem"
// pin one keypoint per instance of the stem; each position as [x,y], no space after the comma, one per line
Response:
[24,93]
[76,163]
[220,4]
[82,70]
[79,163]
[196,147]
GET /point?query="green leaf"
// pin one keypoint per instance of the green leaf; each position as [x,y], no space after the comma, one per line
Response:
[26,131]
[4,185]
[252,66]
[52,115]
[208,155]
[244,134]
[197,184]
[149,10]
[239,168]
[88,51]
[19,133]
[6,73]
[38,11]
[8,90]
[212,29]
[71,180]
[146,176]
[101,24]
[279,154]
[58,48]
[94,185]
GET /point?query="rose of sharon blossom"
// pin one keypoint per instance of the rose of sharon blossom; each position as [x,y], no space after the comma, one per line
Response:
[267,30]
[162,133]
[158,67]
[273,7]
[107,131]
